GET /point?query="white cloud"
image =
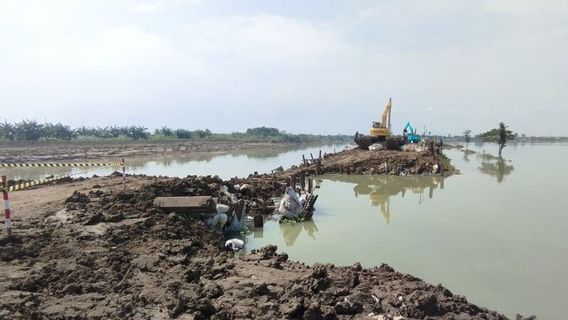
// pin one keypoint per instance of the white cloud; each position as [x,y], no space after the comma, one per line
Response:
[472,62]
[147,7]
[119,48]
[528,7]
[261,39]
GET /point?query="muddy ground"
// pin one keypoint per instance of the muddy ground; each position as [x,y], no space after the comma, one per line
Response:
[26,151]
[91,250]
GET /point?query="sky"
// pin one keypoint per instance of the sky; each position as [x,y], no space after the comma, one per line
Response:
[319,66]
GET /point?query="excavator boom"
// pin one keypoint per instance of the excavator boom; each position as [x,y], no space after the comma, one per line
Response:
[387,115]
[381,130]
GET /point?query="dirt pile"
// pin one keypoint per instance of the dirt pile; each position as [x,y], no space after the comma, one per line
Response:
[282,289]
[98,206]
[387,162]
[129,270]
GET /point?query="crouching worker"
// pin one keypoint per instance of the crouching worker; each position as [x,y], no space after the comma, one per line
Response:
[218,222]
[234,245]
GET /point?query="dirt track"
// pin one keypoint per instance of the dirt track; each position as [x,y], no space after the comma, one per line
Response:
[88,250]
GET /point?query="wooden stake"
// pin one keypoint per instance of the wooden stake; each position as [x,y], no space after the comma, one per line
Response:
[293,182]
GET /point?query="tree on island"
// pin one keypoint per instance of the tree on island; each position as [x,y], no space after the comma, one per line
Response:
[499,135]
[467,137]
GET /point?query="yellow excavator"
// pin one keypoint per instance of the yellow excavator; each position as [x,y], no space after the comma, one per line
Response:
[380,131]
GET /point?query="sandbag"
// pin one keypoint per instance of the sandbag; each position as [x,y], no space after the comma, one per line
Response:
[290,205]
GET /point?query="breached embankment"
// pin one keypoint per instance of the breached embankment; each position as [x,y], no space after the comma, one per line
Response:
[91,250]
[389,162]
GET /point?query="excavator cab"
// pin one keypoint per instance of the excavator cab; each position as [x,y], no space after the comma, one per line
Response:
[380,130]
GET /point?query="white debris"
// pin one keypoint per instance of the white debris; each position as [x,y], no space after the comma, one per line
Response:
[234,244]
[222,208]
[290,205]
[435,168]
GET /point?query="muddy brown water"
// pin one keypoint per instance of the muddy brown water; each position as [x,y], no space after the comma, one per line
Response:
[497,233]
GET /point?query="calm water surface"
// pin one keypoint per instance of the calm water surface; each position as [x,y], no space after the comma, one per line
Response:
[225,165]
[497,233]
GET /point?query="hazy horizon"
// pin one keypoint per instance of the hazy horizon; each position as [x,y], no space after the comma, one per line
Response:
[322,67]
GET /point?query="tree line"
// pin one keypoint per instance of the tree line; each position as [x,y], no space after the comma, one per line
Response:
[31,130]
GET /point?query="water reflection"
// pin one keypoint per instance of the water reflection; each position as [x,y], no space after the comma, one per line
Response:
[290,232]
[269,152]
[197,157]
[380,188]
[466,154]
[496,167]
[35,172]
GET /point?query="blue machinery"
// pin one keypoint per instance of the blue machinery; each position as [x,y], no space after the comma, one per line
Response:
[410,134]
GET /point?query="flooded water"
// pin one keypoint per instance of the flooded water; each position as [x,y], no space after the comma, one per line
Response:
[225,165]
[497,233]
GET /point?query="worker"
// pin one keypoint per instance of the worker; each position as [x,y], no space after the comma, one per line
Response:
[218,222]
[234,244]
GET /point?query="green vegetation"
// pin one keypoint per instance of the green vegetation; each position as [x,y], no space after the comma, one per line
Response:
[31,130]
[499,135]
[467,137]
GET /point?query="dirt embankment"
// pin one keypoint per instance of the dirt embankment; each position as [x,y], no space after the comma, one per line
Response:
[88,249]
[14,152]
[391,162]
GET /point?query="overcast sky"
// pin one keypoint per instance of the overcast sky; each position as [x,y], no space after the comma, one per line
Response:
[301,66]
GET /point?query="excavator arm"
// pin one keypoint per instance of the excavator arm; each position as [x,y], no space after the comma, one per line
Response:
[387,115]
[411,135]
[380,131]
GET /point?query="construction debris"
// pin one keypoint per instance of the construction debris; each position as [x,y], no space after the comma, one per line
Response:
[196,205]
[290,206]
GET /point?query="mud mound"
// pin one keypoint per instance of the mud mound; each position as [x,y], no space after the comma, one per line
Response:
[387,162]
[23,247]
[131,269]
[274,288]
